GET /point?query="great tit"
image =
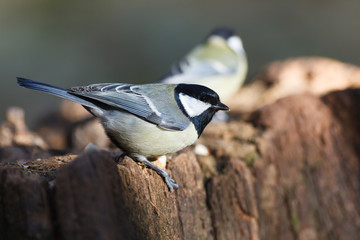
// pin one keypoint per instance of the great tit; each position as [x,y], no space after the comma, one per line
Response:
[218,63]
[144,120]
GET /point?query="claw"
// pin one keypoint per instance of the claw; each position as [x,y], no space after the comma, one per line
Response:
[169,181]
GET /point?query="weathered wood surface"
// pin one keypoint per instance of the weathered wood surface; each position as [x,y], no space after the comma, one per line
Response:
[307,181]
[290,171]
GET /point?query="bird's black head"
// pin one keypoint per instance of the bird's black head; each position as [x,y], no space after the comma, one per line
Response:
[223,32]
[198,103]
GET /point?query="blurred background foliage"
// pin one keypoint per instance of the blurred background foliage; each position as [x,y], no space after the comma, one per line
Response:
[71,43]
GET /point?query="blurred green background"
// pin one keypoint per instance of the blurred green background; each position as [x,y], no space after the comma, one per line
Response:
[71,43]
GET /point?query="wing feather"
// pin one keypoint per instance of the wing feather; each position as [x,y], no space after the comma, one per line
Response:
[150,102]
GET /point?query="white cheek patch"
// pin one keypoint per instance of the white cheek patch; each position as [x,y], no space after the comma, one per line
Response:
[236,44]
[194,107]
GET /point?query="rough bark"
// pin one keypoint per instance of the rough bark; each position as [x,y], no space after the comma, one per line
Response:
[25,211]
[96,197]
[304,188]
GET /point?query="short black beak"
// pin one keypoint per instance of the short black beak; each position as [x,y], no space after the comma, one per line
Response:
[221,106]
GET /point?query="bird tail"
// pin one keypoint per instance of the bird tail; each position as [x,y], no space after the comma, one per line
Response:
[57,91]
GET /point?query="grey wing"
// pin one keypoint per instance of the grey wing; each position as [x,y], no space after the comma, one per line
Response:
[138,100]
[162,98]
[188,70]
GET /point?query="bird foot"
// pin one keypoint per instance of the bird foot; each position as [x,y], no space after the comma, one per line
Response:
[169,181]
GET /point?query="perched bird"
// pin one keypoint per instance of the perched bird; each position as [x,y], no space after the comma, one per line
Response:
[144,120]
[218,63]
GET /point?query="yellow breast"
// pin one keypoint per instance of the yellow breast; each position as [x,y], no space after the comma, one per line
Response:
[135,135]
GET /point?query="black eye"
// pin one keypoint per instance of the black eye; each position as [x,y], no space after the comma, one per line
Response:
[203,98]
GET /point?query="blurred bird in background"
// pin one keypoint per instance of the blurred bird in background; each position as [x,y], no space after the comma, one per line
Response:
[219,63]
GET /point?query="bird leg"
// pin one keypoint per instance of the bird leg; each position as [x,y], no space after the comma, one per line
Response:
[169,181]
